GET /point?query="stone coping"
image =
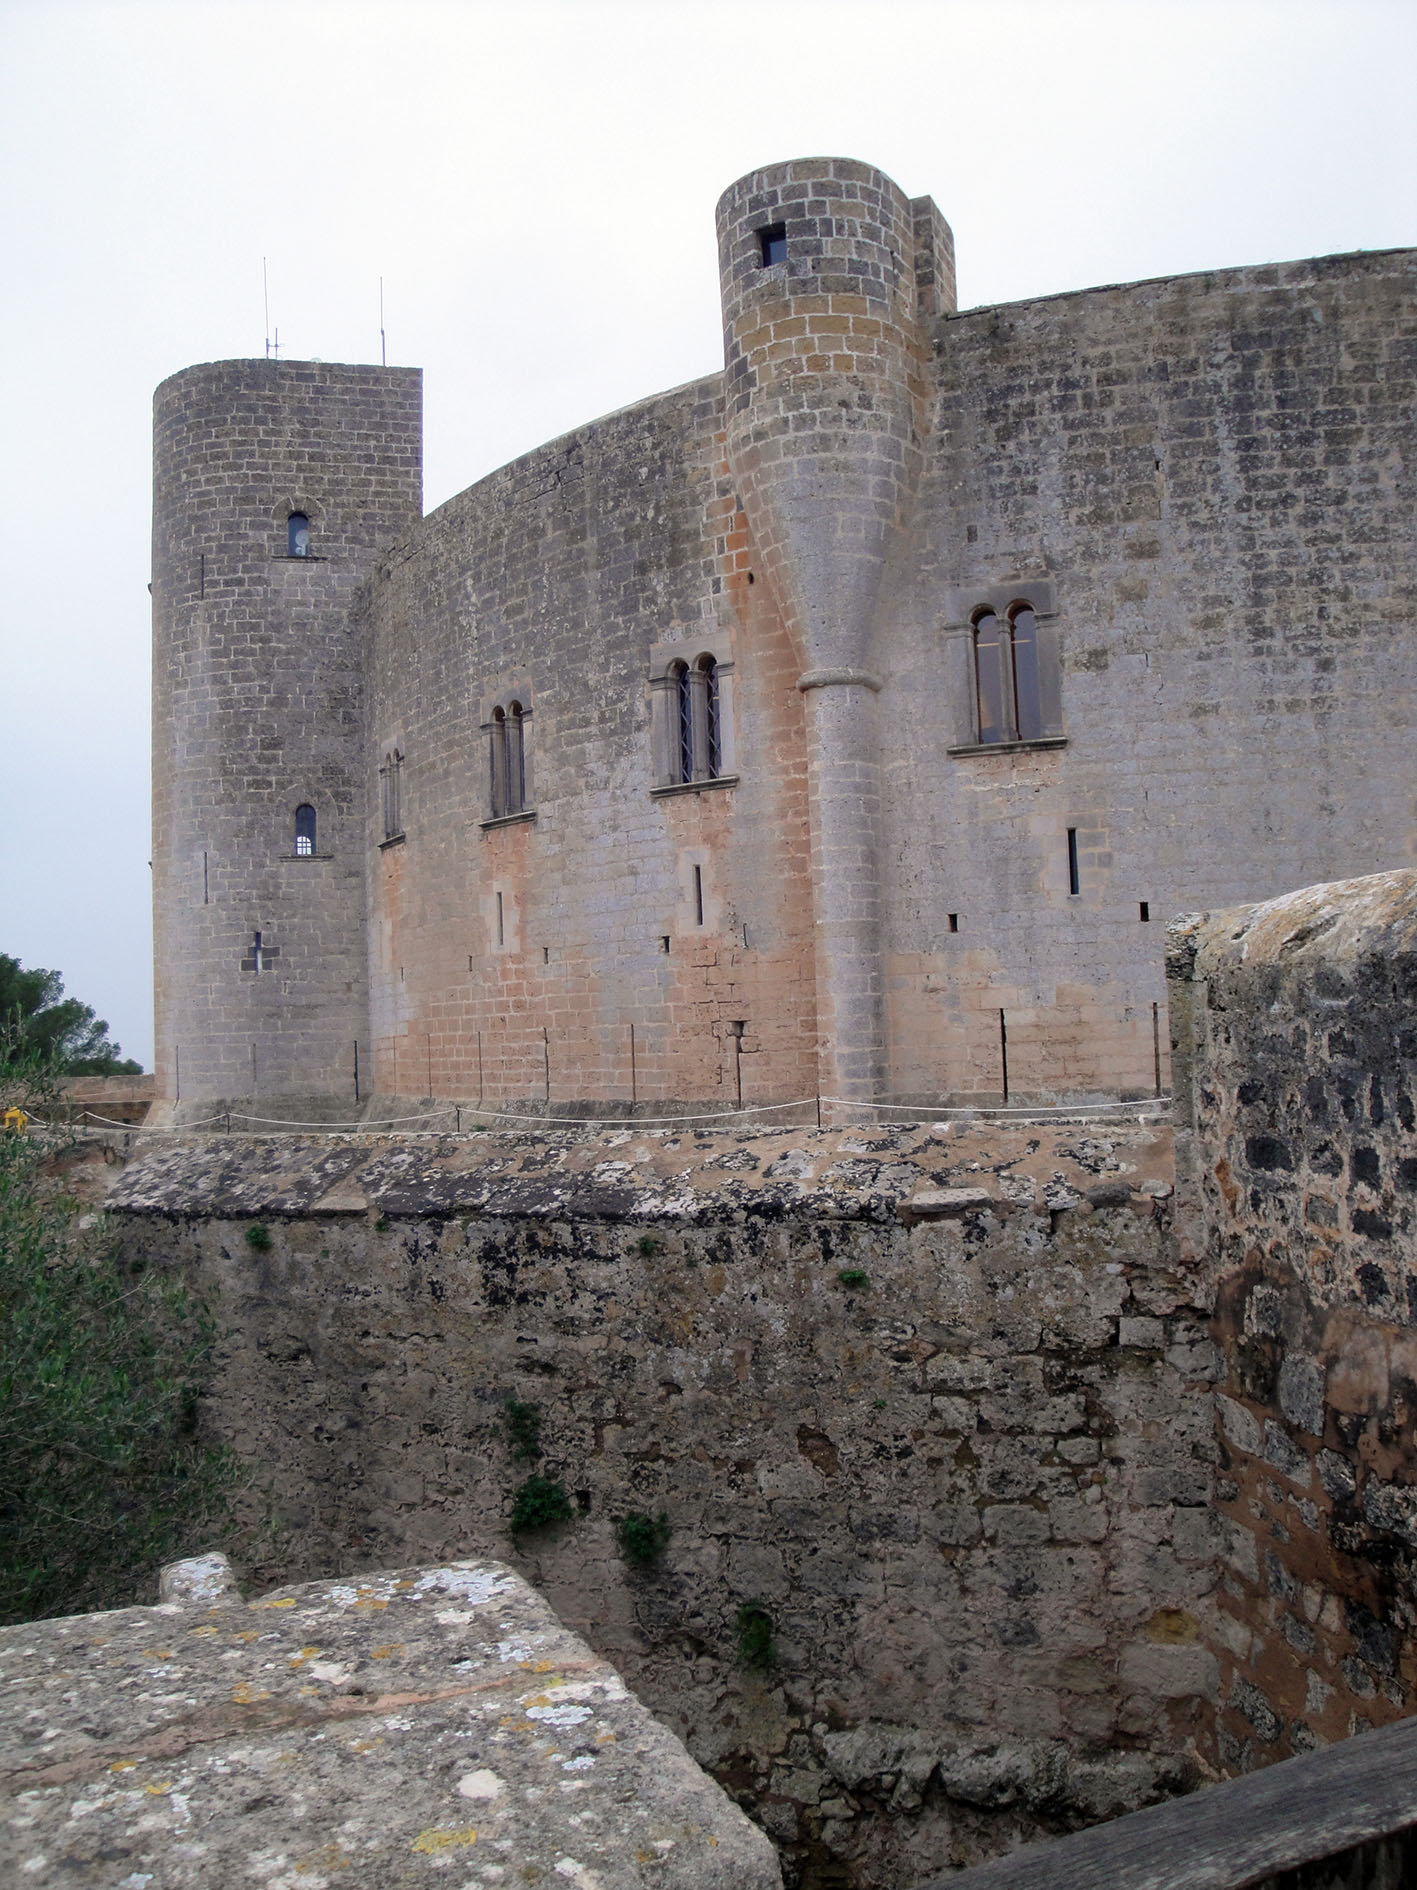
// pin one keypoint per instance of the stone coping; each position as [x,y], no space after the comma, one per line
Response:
[347,1735]
[922,1172]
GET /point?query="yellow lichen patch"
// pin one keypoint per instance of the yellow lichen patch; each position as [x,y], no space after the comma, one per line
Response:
[306,1653]
[441,1837]
[364,1745]
[124,1765]
[542,1666]
[386,1653]
[159,1788]
[371,1601]
[309,1692]
[330,1858]
[158,1653]
[605,1739]
[249,1634]
[206,1629]
[402,1587]
[280,1601]
[247,1695]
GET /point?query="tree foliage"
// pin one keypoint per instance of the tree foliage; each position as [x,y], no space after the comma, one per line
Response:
[102,1474]
[38,1023]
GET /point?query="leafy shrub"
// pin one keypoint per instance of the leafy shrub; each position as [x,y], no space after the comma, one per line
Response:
[102,1475]
[523,1426]
[258,1237]
[753,1634]
[642,1539]
[853,1276]
[647,1246]
[539,1502]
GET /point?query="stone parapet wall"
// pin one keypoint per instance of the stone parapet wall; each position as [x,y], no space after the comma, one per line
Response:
[1296,1055]
[934,1403]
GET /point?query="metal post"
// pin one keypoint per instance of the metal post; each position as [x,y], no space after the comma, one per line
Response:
[634,1081]
[546,1058]
[480,1091]
[177,1060]
[356,1069]
[1156,1043]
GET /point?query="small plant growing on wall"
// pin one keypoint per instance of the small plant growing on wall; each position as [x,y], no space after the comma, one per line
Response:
[647,1246]
[523,1426]
[539,1502]
[853,1276]
[753,1637]
[258,1236]
[642,1539]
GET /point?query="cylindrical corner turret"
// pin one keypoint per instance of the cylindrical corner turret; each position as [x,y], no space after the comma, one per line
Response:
[829,276]
[275,483]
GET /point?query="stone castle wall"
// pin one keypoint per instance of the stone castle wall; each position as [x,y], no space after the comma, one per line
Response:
[1203,487]
[1297,1035]
[1213,477]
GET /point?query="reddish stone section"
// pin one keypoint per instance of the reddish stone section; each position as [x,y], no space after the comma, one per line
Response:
[1296,1056]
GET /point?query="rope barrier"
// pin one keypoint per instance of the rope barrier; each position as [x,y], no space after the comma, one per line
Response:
[1143,1106]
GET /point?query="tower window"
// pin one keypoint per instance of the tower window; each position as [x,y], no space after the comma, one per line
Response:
[305,830]
[698,737]
[297,542]
[773,244]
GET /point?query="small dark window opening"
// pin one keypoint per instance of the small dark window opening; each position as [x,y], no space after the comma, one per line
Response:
[305,830]
[954,921]
[1144,912]
[546,954]
[1073,885]
[501,929]
[297,541]
[698,895]
[664,941]
[773,244]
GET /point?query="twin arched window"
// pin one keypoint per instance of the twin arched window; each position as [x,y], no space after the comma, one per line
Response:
[508,760]
[1007,674]
[698,748]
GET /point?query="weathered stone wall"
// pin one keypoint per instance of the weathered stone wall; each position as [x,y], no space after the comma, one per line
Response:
[605,947]
[258,708]
[937,1403]
[1296,1025]
[1213,477]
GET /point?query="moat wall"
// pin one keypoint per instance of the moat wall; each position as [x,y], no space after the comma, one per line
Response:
[1059,1492]
[970,1489]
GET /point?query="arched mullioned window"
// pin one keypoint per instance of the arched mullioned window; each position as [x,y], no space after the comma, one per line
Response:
[391,793]
[297,542]
[305,830]
[1007,677]
[691,716]
[506,728]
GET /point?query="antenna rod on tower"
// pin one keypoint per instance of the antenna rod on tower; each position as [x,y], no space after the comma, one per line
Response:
[383,347]
[266,293]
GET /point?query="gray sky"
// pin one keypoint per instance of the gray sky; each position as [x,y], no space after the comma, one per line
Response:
[536,183]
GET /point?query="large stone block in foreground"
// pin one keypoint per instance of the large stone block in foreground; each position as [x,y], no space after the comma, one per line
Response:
[370,1733]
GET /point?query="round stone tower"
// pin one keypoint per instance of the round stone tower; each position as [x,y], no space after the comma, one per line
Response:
[827,269]
[275,482]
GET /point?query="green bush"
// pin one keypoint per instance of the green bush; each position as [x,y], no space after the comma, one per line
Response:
[102,1475]
[642,1539]
[523,1426]
[258,1236]
[753,1634]
[539,1502]
[647,1246]
[853,1276]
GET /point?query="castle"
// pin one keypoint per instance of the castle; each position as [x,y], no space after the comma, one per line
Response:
[842,723]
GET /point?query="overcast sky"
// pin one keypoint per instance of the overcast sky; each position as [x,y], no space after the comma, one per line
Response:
[535,183]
